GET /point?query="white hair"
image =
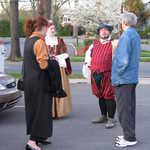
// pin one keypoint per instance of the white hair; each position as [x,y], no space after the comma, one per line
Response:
[129,18]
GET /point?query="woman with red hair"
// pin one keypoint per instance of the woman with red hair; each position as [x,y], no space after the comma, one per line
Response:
[38,102]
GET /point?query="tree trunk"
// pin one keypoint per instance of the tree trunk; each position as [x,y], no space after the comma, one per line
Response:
[48,9]
[45,8]
[33,5]
[41,8]
[14,26]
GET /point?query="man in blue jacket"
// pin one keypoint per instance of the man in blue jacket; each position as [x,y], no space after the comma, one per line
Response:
[125,69]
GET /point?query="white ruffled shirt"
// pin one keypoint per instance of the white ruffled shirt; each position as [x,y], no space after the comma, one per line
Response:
[53,41]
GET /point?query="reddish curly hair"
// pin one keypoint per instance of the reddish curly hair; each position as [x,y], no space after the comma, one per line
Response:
[34,25]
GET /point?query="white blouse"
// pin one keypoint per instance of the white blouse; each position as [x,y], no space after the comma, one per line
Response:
[52,41]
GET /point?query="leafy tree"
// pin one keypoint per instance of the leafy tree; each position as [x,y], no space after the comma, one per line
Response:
[137,6]
[90,13]
[57,5]
[5,7]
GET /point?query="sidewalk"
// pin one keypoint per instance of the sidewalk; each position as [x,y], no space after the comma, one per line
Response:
[142,81]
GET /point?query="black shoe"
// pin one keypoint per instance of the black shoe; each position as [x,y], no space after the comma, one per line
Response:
[28,147]
[44,142]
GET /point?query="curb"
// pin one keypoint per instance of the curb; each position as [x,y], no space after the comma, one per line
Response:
[142,81]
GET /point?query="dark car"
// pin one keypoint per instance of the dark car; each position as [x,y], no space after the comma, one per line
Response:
[9,95]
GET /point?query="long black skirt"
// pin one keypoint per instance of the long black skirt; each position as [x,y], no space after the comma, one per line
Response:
[38,108]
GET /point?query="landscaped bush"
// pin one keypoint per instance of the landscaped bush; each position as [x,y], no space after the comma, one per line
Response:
[142,34]
[147,30]
[5,28]
[82,50]
[62,31]
[81,30]
[88,42]
[21,28]
[146,33]
[67,30]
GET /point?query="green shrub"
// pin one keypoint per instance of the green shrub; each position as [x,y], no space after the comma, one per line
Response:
[146,33]
[142,34]
[147,30]
[5,28]
[65,31]
[21,28]
[62,31]
[88,42]
[81,30]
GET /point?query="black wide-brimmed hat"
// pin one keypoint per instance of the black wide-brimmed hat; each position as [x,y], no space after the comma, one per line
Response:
[104,25]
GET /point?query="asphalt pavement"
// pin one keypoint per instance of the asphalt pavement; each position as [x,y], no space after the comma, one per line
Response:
[76,132]
[144,70]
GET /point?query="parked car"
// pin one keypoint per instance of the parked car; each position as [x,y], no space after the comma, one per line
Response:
[9,95]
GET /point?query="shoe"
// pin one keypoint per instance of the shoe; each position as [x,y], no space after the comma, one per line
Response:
[102,119]
[28,147]
[110,123]
[124,143]
[44,141]
[118,138]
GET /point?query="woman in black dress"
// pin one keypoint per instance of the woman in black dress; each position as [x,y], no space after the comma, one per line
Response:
[38,102]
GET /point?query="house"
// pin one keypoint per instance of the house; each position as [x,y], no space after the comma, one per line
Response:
[66,18]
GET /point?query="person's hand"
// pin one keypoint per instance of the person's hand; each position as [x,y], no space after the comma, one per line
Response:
[53,56]
[89,66]
[114,44]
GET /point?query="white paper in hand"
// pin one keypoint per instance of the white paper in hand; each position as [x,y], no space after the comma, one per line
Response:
[62,59]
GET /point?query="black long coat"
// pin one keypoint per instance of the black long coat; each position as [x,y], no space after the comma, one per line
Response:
[38,102]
